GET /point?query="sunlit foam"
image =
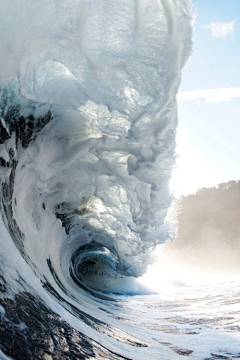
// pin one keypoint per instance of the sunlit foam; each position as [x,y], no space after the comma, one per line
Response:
[168,273]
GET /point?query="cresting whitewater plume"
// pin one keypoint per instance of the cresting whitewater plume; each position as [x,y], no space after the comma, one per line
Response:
[88,122]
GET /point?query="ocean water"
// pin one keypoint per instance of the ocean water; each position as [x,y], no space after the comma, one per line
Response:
[88,124]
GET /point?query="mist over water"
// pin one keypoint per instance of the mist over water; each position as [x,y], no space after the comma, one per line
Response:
[206,245]
[88,124]
[208,229]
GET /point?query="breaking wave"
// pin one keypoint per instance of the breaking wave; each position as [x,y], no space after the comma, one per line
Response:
[88,122]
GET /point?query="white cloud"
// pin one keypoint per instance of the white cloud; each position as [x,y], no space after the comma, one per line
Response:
[221,30]
[210,95]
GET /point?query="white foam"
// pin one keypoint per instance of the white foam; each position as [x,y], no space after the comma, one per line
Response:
[108,72]
[111,72]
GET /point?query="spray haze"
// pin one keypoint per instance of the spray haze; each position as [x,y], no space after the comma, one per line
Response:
[208,232]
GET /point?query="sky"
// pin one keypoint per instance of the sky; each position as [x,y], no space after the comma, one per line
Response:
[208,137]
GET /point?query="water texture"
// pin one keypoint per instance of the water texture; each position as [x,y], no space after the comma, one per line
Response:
[88,121]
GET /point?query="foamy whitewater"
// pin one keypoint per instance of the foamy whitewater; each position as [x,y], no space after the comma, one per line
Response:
[88,123]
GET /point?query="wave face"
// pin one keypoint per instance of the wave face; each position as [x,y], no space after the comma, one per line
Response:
[88,122]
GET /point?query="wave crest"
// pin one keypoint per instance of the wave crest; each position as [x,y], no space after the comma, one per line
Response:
[88,137]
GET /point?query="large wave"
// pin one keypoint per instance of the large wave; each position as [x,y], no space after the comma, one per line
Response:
[88,122]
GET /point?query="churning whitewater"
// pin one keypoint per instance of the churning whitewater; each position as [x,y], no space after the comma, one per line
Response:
[88,121]
[88,117]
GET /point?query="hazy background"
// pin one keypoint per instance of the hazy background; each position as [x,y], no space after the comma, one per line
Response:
[208,221]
